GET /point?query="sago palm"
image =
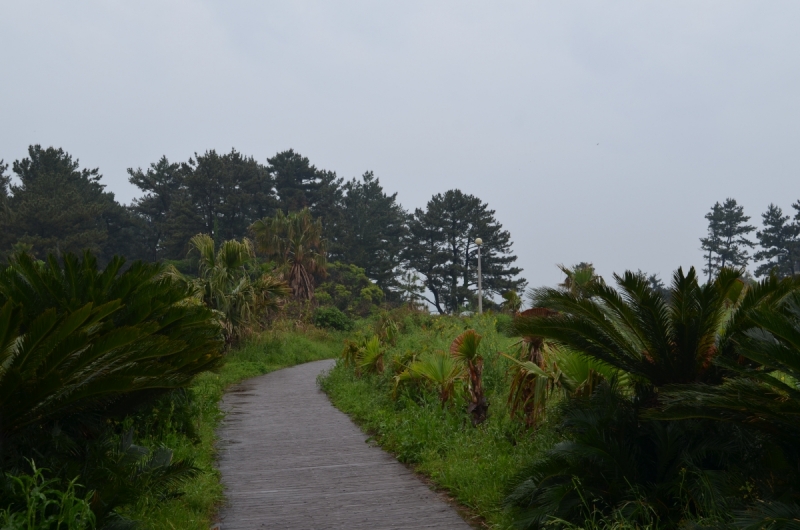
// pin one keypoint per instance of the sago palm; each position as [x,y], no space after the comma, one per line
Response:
[81,346]
[76,338]
[764,396]
[659,340]
[295,242]
[613,453]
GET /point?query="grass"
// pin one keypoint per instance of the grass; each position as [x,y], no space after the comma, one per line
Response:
[474,464]
[186,422]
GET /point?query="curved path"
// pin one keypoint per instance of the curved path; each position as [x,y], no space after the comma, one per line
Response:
[290,460]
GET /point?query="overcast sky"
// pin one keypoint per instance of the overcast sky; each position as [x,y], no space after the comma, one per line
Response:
[598,131]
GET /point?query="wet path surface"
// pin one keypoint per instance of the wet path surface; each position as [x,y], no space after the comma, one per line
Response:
[290,460]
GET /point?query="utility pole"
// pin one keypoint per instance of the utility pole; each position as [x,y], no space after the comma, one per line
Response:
[479,242]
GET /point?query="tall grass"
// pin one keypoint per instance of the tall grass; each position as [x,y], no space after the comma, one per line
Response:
[186,422]
[474,464]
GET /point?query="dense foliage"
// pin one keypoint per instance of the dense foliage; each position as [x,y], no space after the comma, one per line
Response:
[639,405]
[348,288]
[82,348]
[651,450]
[54,206]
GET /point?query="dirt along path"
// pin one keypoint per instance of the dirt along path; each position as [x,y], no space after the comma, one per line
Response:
[290,460]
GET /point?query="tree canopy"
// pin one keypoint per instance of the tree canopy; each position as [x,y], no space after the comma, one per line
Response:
[726,244]
[57,207]
[444,252]
[373,230]
[780,242]
[214,194]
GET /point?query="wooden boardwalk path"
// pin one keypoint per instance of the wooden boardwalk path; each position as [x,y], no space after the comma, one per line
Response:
[290,460]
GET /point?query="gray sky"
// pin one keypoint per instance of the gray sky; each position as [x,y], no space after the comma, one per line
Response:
[599,131]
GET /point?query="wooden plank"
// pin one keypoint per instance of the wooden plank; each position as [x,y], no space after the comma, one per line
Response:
[290,460]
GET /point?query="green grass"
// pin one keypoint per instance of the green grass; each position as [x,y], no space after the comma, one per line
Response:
[186,422]
[474,464]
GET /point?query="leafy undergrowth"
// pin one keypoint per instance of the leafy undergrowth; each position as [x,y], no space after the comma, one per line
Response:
[186,422]
[474,464]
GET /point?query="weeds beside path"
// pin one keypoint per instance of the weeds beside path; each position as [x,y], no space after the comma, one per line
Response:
[474,464]
[187,422]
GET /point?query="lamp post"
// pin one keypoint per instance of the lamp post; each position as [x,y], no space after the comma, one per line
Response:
[479,242]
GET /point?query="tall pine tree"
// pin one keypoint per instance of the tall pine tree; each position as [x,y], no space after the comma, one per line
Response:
[216,194]
[371,232]
[299,184]
[58,207]
[162,185]
[442,250]
[780,243]
[726,244]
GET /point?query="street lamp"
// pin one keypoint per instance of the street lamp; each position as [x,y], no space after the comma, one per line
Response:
[479,242]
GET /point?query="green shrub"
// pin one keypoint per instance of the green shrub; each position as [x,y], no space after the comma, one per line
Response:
[333,318]
[349,290]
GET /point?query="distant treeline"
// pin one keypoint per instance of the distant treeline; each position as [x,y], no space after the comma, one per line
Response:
[55,206]
[727,241]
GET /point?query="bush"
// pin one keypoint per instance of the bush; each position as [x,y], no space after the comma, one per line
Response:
[349,290]
[333,318]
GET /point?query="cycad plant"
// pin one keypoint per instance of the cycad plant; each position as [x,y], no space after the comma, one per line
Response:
[81,346]
[762,395]
[655,340]
[465,350]
[295,242]
[73,337]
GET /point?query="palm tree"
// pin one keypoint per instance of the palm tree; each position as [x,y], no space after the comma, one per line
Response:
[295,242]
[225,284]
[579,278]
[370,356]
[439,370]
[558,372]
[512,302]
[465,350]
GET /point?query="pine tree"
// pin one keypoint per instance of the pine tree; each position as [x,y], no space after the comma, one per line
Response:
[299,184]
[162,185]
[780,241]
[58,207]
[726,242]
[442,250]
[372,230]
[711,244]
[212,193]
